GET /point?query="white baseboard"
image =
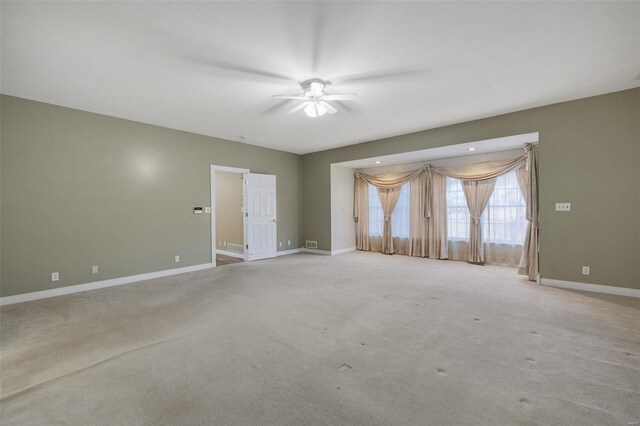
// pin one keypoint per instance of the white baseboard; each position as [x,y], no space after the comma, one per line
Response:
[230,254]
[288,252]
[327,252]
[595,288]
[60,291]
[316,251]
[344,250]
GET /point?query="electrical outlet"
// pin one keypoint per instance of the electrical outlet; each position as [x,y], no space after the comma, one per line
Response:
[225,243]
[288,242]
[563,207]
[280,244]
[55,276]
[94,269]
[177,258]
[586,270]
[207,209]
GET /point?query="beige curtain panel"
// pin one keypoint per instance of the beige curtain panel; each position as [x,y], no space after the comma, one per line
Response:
[388,200]
[477,193]
[428,231]
[361,215]
[437,222]
[417,217]
[529,262]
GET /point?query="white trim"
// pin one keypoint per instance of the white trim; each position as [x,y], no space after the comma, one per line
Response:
[214,168]
[230,254]
[60,291]
[288,252]
[595,288]
[315,251]
[227,169]
[344,250]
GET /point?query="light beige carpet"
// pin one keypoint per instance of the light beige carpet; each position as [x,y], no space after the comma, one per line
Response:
[360,338]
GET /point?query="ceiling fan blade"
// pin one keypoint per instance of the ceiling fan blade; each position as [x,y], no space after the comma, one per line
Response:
[228,69]
[299,107]
[381,76]
[276,106]
[330,108]
[303,98]
[340,97]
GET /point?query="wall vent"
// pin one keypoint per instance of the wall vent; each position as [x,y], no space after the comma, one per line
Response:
[235,248]
[311,244]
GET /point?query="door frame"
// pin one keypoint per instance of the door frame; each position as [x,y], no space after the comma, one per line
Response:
[215,168]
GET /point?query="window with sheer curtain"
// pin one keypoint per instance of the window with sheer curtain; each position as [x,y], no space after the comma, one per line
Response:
[503,221]
[399,219]
[458,216]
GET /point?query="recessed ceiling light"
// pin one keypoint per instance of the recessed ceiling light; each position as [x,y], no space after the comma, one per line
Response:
[378,162]
[471,149]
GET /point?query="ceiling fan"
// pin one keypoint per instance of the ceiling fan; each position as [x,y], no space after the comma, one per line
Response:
[315,99]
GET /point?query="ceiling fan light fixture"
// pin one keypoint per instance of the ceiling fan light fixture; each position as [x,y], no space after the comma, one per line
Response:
[316,102]
[316,88]
[314,109]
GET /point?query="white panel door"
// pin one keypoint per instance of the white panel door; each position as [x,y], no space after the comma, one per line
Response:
[261,216]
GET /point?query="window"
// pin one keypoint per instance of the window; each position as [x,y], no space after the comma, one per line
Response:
[504,221]
[458,216]
[376,218]
[399,219]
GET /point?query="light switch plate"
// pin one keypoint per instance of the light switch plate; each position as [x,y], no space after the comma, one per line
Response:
[563,207]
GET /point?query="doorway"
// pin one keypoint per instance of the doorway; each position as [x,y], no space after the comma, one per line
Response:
[243,215]
[228,219]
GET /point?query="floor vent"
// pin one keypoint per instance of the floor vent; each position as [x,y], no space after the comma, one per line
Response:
[235,248]
[311,244]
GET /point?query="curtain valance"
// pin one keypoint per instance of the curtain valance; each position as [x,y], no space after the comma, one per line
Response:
[476,171]
[391,180]
[482,171]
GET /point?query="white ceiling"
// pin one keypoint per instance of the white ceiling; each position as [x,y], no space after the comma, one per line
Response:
[211,67]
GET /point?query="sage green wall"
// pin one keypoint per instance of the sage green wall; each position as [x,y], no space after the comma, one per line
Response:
[81,189]
[589,156]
